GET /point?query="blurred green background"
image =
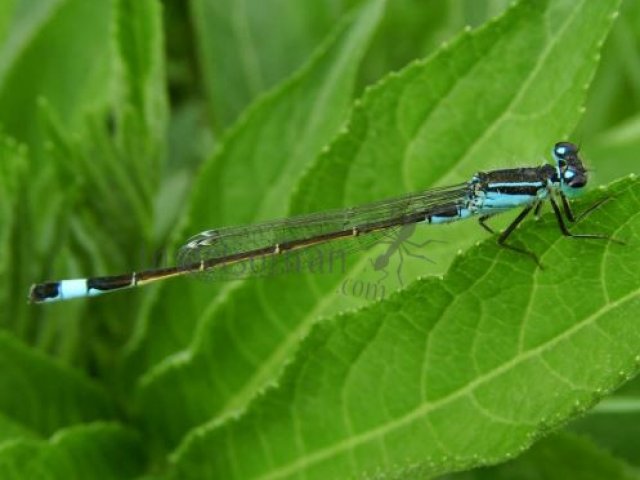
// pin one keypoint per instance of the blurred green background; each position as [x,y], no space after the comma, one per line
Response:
[109,109]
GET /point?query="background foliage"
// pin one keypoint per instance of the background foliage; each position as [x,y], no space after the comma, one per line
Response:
[127,126]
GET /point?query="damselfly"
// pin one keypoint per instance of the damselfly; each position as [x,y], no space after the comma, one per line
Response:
[485,195]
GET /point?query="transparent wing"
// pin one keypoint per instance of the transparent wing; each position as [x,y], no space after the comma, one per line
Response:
[373,222]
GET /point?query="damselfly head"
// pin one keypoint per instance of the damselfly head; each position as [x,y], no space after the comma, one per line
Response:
[572,173]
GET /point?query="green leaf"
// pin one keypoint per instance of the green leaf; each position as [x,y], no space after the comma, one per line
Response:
[140,47]
[244,49]
[40,58]
[283,132]
[415,28]
[259,161]
[21,22]
[557,457]
[452,373]
[88,451]
[437,121]
[45,396]
[486,101]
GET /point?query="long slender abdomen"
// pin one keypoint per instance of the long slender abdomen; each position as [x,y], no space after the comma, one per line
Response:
[90,287]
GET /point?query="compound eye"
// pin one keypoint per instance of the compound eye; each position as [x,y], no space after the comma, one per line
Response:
[564,150]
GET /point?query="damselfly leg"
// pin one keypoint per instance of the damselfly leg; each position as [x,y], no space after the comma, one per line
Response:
[537,210]
[568,213]
[573,219]
[502,239]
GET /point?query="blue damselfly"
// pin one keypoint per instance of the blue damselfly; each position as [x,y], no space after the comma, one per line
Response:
[233,251]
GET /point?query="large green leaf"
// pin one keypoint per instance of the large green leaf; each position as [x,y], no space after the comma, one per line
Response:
[485,101]
[450,373]
[415,28]
[244,50]
[260,160]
